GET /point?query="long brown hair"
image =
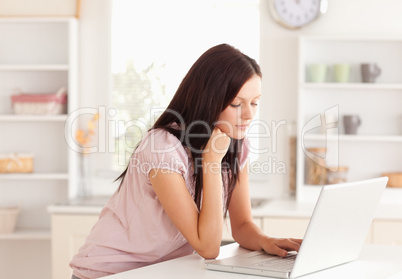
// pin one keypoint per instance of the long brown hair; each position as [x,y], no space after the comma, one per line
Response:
[209,87]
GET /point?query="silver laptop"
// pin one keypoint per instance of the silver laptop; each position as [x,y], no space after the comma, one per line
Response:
[335,235]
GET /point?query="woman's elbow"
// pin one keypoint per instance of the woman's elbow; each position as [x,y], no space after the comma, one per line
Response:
[210,253]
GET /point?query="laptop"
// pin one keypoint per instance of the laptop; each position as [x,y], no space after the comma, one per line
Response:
[335,235]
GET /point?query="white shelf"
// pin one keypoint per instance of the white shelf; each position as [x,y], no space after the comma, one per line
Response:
[34,176]
[23,19]
[355,138]
[375,149]
[355,38]
[34,67]
[353,86]
[27,234]
[33,118]
[40,54]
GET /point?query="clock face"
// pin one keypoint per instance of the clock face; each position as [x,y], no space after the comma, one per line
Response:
[296,13]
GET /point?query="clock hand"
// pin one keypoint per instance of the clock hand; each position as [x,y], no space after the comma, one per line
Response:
[301,7]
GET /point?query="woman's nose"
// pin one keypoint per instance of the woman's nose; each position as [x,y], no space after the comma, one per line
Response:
[247,113]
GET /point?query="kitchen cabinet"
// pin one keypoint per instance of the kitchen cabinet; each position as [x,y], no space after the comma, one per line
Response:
[290,227]
[37,55]
[285,227]
[377,146]
[68,235]
[387,232]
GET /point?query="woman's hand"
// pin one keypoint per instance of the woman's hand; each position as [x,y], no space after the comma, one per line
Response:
[281,246]
[217,146]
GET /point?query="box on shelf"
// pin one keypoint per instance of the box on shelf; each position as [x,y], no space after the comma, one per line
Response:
[16,163]
[53,103]
[8,219]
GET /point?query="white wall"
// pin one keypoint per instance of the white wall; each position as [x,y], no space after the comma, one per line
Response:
[279,59]
[278,62]
[95,52]
[95,79]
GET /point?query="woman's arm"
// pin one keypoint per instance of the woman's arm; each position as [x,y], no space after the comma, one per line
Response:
[245,232]
[203,230]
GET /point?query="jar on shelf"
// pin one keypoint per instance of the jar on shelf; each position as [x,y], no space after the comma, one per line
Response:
[315,166]
[337,175]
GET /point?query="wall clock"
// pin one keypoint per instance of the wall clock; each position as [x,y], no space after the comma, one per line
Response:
[294,14]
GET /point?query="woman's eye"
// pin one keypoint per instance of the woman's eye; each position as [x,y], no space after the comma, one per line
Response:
[235,106]
[254,104]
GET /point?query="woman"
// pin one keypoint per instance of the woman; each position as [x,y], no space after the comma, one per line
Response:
[186,173]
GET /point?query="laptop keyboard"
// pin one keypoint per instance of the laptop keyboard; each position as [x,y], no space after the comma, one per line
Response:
[278,264]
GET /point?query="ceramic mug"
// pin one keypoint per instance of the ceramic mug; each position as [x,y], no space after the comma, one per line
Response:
[370,72]
[317,72]
[341,72]
[351,123]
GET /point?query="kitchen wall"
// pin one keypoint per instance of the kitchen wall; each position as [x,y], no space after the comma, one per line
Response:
[278,62]
[95,79]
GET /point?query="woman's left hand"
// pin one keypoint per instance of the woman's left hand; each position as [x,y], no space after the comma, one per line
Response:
[281,246]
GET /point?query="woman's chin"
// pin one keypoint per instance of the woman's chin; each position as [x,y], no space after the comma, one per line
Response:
[236,136]
[234,133]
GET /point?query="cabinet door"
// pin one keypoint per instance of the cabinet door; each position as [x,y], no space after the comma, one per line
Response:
[292,227]
[68,235]
[387,232]
[285,227]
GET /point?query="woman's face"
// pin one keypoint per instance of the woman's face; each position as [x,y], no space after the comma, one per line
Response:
[236,118]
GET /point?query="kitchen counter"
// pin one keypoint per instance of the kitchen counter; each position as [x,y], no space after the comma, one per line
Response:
[375,261]
[72,222]
[281,208]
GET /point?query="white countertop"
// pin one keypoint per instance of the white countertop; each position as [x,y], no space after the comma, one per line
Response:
[74,209]
[375,262]
[91,205]
[282,208]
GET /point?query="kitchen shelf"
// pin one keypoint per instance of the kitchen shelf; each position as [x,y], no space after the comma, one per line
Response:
[33,19]
[355,38]
[38,55]
[377,146]
[353,86]
[33,118]
[27,234]
[34,67]
[34,176]
[355,138]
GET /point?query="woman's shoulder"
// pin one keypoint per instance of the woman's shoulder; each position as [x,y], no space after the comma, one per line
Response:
[163,150]
[160,141]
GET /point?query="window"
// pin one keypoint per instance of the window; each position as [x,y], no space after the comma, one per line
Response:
[154,44]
